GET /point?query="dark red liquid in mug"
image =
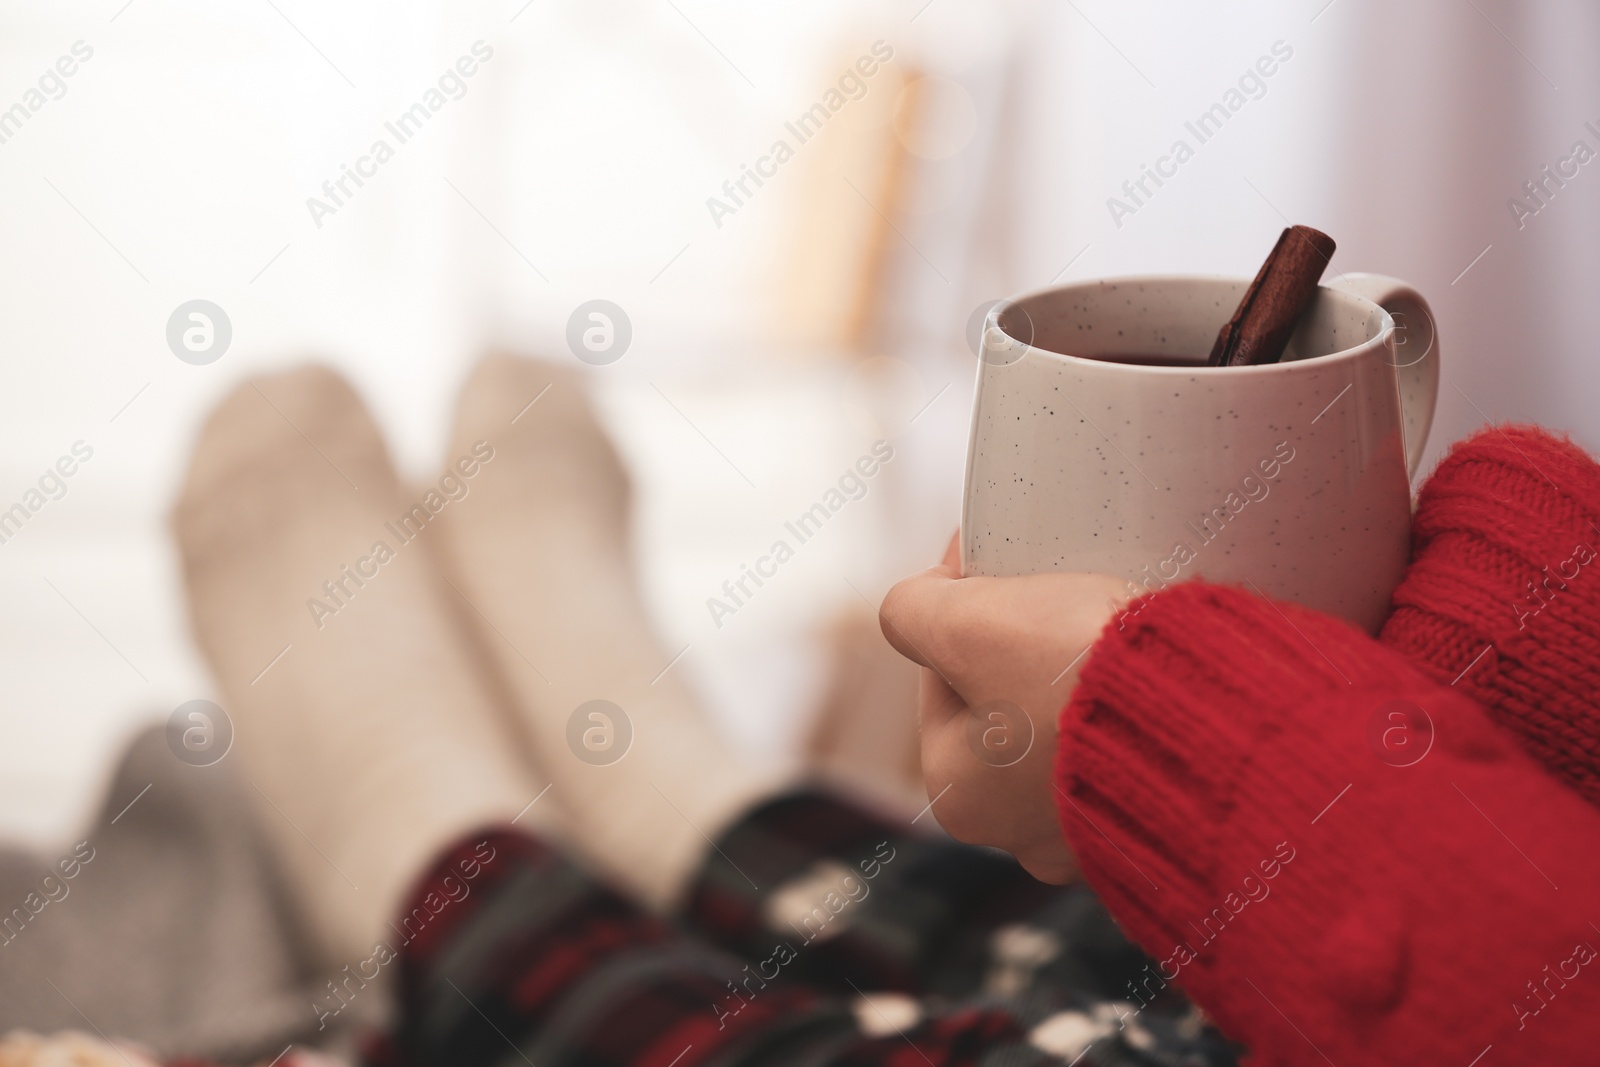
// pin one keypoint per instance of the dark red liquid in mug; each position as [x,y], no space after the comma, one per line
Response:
[1145,359]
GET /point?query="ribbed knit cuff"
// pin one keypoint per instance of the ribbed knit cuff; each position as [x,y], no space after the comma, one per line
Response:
[1503,594]
[1315,841]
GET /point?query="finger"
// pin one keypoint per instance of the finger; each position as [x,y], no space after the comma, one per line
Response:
[952,553]
[910,611]
[937,703]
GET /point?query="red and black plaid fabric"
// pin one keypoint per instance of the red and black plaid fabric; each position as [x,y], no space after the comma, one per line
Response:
[816,934]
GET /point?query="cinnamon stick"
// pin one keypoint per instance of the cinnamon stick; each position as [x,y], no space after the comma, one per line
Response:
[1283,287]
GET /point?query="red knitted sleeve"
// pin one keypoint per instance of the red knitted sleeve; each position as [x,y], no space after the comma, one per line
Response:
[1502,597]
[1230,780]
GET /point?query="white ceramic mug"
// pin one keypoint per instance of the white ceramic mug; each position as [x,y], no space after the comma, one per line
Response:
[1291,479]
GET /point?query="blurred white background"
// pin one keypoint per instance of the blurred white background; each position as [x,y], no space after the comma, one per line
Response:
[178,161]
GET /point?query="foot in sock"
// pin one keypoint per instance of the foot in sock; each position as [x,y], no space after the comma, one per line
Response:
[540,549]
[360,722]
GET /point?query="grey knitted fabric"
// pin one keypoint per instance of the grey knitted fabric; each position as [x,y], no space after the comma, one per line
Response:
[177,933]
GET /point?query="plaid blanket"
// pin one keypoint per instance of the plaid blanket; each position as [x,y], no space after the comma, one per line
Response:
[816,934]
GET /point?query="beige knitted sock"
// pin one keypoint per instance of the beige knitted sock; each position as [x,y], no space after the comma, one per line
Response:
[360,723]
[539,548]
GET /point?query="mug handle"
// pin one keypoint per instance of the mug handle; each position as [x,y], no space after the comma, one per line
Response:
[1416,350]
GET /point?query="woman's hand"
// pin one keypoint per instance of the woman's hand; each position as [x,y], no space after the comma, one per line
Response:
[1000,659]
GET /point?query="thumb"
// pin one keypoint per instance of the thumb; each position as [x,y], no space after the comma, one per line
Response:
[905,613]
[911,611]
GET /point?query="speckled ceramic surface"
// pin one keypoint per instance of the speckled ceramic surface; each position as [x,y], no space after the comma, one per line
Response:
[1291,478]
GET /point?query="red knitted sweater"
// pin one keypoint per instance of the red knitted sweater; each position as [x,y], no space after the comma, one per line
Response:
[1352,851]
